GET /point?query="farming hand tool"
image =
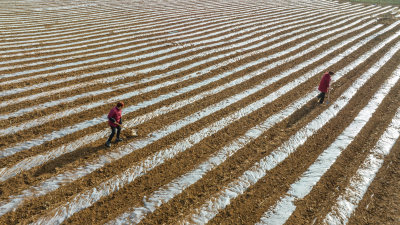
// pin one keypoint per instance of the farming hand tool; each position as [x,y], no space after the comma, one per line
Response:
[328,99]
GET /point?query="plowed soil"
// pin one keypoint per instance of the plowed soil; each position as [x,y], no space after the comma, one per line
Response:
[198,78]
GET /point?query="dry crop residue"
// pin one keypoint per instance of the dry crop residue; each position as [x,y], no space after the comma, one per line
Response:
[223,97]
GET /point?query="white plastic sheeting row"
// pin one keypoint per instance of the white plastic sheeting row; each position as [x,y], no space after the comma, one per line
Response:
[144,18]
[161,10]
[45,185]
[359,183]
[167,27]
[65,131]
[198,30]
[301,188]
[178,185]
[127,75]
[113,88]
[170,73]
[259,170]
[240,27]
[87,198]
[34,161]
[161,55]
[53,183]
[46,188]
[127,44]
[35,122]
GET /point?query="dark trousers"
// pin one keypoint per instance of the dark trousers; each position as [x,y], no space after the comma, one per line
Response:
[321,97]
[113,133]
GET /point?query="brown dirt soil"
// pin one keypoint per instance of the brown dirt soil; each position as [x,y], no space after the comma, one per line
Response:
[88,151]
[379,206]
[382,199]
[244,207]
[100,110]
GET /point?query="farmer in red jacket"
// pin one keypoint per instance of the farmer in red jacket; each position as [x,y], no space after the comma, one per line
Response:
[115,122]
[324,86]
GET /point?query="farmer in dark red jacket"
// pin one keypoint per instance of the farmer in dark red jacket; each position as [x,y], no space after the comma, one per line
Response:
[324,86]
[115,122]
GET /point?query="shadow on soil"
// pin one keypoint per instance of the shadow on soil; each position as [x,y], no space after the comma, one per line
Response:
[51,167]
[82,153]
[302,112]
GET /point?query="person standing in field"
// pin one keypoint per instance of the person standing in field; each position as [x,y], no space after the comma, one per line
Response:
[324,86]
[115,122]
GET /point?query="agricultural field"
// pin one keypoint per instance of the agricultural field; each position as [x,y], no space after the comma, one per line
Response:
[381,2]
[223,96]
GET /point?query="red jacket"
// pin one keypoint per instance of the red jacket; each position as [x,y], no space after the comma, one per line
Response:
[324,83]
[114,116]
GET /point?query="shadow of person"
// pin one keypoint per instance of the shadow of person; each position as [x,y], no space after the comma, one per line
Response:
[302,112]
[83,153]
[62,161]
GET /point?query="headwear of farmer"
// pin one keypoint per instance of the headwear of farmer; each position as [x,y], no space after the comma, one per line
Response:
[120,104]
